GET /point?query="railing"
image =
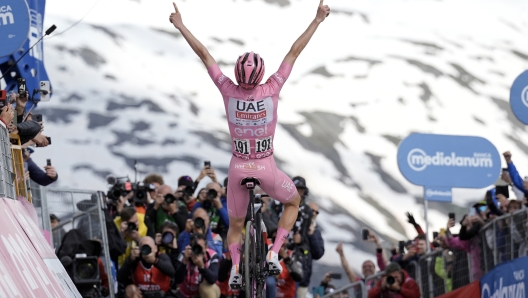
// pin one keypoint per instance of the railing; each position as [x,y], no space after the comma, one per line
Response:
[77,209]
[441,271]
[7,174]
[357,288]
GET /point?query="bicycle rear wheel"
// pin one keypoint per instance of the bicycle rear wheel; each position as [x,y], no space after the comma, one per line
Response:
[249,260]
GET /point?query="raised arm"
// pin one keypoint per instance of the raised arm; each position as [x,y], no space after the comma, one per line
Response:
[322,12]
[200,50]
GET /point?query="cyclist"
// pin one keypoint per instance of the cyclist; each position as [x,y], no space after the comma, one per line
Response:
[251,111]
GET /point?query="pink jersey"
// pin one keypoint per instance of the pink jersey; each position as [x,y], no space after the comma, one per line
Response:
[251,114]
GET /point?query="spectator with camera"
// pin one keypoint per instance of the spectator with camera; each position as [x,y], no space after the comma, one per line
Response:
[418,249]
[30,131]
[395,283]
[146,272]
[156,180]
[167,208]
[216,208]
[368,268]
[199,224]
[41,177]
[292,272]
[185,191]
[132,226]
[197,273]
[306,237]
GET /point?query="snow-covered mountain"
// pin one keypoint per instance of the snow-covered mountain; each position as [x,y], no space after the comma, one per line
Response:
[128,87]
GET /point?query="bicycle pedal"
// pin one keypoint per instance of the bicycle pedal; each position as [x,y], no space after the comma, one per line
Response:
[274,272]
[235,286]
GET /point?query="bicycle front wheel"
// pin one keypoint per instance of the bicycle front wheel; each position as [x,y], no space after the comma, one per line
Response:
[249,260]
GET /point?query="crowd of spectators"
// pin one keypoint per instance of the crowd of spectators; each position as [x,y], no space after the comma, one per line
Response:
[174,243]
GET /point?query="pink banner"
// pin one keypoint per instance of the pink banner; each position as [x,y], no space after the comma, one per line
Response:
[22,247]
[30,228]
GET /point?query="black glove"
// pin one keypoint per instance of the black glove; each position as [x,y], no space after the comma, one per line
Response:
[411,219]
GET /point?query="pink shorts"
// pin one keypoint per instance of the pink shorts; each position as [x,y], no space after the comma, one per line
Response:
[273,182]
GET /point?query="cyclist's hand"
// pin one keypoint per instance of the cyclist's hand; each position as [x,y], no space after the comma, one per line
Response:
[175,18]
[322,12]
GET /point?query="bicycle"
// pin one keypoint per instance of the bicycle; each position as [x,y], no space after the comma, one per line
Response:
[255,268]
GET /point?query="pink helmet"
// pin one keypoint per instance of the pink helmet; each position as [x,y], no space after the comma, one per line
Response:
[249,70]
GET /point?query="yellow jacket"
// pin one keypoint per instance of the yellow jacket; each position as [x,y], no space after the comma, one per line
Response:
[142,229]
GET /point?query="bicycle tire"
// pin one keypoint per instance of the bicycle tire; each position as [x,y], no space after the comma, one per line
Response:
[249,256]
[260,248]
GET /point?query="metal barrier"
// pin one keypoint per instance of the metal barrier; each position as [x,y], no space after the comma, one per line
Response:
[76,209]
[504,239]
[370,282]
[358,291]
[7,173]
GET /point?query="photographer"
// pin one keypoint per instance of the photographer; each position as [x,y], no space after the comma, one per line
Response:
[395,283]
[157,181]
[150,279]
[199,224]
[132,226]
[171,209]
[216,208]
[292,272]
[198,271]
[185,191]
[167,241]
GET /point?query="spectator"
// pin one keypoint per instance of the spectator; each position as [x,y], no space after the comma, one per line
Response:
[152,276]
[292,272]
[325,287]
[57,233]
[199,224]
[171,209]
[395,283]
[167,242]
[367,268]
[198,272]
[44,178]
[418,249]
[157,181]
[444,265]
[306,236]
[466,240]
[216,208]
[185,191]
[7,115]
[132,226]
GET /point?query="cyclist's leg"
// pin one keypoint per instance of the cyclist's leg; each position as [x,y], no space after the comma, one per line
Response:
[237,203]
[280,187]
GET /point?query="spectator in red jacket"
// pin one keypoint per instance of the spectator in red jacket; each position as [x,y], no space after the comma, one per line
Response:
[396,283]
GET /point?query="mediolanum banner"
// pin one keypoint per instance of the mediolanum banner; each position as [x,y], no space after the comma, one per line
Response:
[507,280]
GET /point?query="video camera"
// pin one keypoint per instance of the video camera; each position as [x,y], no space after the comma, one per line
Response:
[122,186]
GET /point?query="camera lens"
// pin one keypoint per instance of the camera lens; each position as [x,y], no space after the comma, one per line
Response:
[86,269]
[170,198]
[145,250]
[390,280]
[197,249]
[211,194]
[199,223]
[167,237]
[132,226]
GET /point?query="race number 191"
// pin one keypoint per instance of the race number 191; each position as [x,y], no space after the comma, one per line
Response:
[263,145]
[241,146]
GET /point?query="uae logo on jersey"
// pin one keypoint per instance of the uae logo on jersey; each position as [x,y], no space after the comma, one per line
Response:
[250,113]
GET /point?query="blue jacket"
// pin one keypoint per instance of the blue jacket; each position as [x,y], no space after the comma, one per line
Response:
[38,175]
[185,239]
[316,252]
[516,178]
[224,216]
